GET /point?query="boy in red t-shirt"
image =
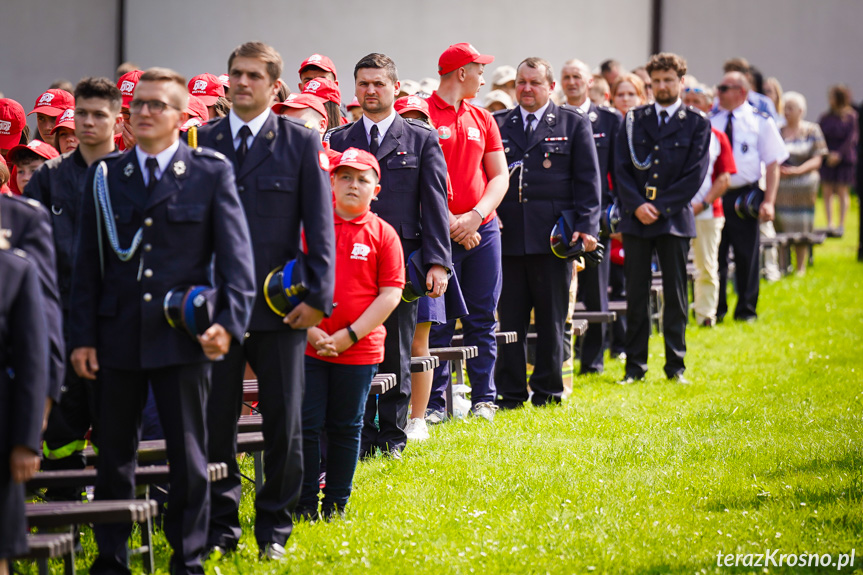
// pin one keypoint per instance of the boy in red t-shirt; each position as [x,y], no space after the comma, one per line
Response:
[344,350]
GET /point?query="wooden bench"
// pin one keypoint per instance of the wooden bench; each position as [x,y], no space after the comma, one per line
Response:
[144,475]
[501,337]
[456,355]
[426,363]
[44,546]
[155,450]
[381,383]
[67,513]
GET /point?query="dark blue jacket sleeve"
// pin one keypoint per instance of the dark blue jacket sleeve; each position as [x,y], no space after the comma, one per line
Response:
[433,202]
[586,189]
[86,274]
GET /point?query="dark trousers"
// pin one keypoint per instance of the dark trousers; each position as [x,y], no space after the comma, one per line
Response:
[617,285]
[742,235]
[13,521]
[392,407]
[539,283]
[479,274]
[334,401]
[593,291]
[277,359]
[671,251]
[181,393]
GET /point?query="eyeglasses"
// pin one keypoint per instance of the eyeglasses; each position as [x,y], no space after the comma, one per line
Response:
[690,89]
[722,88]
[156,107]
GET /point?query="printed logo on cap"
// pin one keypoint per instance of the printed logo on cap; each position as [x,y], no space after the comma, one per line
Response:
[45,99]
[127,87]
[34,145]
[361,252]
[315,58]
[313,85]
[414,101]
[200,86]
[5,127]
[349,156]
[67,115]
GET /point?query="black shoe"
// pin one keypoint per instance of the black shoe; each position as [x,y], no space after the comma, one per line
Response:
[332,513]
[509,404]
[629,380]
[720,318]
[307,514]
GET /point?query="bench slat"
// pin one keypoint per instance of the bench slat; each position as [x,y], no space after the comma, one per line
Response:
[72,513]
[48,546]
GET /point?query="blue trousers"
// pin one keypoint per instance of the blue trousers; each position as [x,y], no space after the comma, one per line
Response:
[335,401]
[479,273]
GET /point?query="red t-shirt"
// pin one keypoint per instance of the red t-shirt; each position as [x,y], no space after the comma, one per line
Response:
[368,257]
[465,136]
[724,163]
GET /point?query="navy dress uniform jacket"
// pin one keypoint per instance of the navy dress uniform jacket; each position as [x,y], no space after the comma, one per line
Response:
[560,173]
[27,226]
[413,174]
[24,352]
[281,184]
[191,215]
[678,165]
[605,122]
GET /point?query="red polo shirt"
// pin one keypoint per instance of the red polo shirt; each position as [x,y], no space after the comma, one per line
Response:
[465,136]
[368,257]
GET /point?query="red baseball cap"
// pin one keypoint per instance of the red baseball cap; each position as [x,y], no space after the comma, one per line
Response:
[355,103]
[408,103]
[300,101]
[47,151]
[53,102]
[356,158]
[319,61]
[12,122]
[324,88]
[65,120]
[127,83]
[207,87]
[459,55]
[197,108]
[225,80]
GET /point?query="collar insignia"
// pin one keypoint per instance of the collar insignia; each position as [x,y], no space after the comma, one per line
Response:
[179,168]
[129,170]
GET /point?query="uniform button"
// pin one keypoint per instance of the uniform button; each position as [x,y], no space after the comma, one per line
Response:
[667,210]
[278,185]
[241,188]
[148,222]
[148,297]
[246,335]
[148,273]
[655,147]
[527,155]
[524,201]
[655,161]
[418,234]
[525,170]
[525,185]
[148,247]
[655,176]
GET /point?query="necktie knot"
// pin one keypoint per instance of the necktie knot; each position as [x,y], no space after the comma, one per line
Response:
[374,139]
[243,148]
[152,165]
[663,116]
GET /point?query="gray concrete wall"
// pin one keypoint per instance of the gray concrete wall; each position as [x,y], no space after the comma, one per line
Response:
[807,44]
[414,34]
[46,40]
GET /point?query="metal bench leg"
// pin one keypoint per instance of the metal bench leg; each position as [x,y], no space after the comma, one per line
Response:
[43,566]
[258,457]
[147,557]
[456,365]
[69,563]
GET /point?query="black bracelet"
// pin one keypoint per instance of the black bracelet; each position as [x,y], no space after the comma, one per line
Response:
[353,334]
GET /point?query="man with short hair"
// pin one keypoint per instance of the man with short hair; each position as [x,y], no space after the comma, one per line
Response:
[59,186]
[576,81]
[471,145]
[413,200]
[281,174]
[556,174]
[758,101]
[756,143]
[660,160]
[178,222]
[610,70]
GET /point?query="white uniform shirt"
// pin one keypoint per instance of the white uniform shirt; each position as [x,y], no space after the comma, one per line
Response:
[757,142]
[164,158]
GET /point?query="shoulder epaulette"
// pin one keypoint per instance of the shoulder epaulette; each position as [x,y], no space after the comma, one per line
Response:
[337,129]
[502,113]
[209,153]
[35,204]
[695,110]
[758,112]
[19,252]
[418,123]
[571,110]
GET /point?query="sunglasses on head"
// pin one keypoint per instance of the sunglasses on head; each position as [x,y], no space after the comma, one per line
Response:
[696,90]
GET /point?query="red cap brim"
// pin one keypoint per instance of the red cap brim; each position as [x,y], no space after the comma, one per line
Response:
[10,141]
[49,110]
[208,100]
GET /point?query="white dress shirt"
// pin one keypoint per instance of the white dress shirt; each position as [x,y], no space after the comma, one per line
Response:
[255,125]
[670,109]
[383,126]
[538,114]
[164,158]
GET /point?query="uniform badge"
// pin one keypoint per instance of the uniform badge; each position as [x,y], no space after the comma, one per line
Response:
[270,135]
[681,114]
[648,111]
[179,168]
[592,116]
[129,170]
[444,132]
[506,150]
[219,137]
[546,163]
[324,161]
[549,119]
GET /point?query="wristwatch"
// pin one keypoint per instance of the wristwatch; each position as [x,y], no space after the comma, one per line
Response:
[704,205]
[479,213]
[352,334]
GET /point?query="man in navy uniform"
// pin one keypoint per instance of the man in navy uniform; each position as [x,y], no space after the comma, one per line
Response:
[413,175]
[576,80]
[166,217]
[283,182]
[24,353]
[556,171]
[59,186]
[660,161]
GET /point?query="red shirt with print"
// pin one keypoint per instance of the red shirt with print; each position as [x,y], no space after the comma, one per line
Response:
[368,257]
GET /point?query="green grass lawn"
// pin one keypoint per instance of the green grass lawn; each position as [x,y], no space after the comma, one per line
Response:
[762,452]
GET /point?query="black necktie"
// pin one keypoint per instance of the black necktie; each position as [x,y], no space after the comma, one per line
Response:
[729,130]
[243,148]
[528,128]
[375,141]
[152,165]
[663,120]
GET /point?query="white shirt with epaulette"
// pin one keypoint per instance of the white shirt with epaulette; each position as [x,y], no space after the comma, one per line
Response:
[757,142]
